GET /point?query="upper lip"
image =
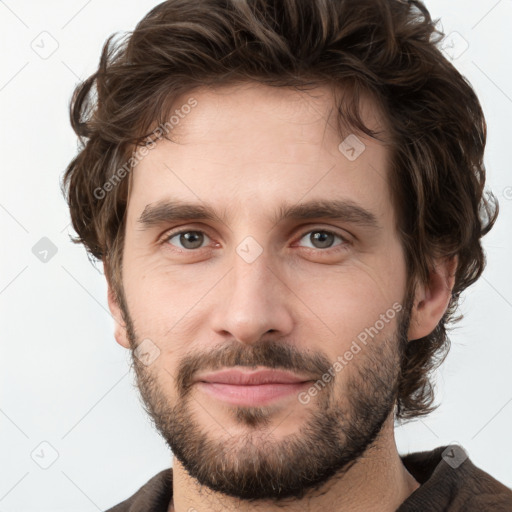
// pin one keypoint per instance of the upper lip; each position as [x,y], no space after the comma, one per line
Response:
[240,378]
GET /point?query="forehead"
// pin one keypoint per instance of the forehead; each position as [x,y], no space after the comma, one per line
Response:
[261,144]
[312,112]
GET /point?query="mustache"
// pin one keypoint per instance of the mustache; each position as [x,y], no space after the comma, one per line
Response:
[270,354]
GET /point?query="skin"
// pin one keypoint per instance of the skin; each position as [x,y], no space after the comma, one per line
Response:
[247,150]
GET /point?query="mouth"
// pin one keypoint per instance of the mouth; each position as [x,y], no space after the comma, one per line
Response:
[251,388]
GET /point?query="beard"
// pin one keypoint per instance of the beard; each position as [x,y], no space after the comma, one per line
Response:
[342,421]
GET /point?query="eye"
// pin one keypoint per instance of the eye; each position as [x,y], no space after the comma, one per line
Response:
[323,239]
[190,240]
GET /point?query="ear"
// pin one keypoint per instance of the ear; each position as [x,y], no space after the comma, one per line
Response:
[120,325]
[431,300]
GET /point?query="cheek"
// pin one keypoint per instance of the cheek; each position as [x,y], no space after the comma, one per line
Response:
[352,298]
[163,299]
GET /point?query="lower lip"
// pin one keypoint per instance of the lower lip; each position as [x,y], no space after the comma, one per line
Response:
[251,395]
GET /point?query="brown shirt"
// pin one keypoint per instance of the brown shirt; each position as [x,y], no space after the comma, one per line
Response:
[449,482]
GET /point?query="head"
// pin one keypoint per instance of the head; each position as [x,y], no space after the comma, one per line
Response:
[265,117]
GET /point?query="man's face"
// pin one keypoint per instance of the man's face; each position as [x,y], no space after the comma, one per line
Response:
[314,296]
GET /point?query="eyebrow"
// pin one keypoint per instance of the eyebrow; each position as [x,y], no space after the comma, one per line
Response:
[335,209]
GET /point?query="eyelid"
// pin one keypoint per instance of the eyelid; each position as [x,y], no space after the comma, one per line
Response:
[171,233]
[345,244]
[325,230]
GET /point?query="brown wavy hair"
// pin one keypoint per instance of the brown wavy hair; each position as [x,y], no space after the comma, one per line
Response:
[387,49]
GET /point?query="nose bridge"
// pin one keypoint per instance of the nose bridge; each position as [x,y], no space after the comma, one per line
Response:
[252,286]
[251,264]
[251,275]
[254,302]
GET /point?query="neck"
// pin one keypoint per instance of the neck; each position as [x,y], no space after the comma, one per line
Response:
[377,482]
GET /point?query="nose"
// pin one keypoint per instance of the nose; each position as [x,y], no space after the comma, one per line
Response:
[252,301]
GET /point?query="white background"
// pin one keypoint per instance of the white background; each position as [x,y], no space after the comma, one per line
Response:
[64,380]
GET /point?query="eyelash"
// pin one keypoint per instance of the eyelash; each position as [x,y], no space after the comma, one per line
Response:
[341,247]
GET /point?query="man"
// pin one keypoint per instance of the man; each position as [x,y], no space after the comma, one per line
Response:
[287,197]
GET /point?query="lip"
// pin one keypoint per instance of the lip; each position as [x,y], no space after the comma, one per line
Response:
[251,389]
[255,378]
